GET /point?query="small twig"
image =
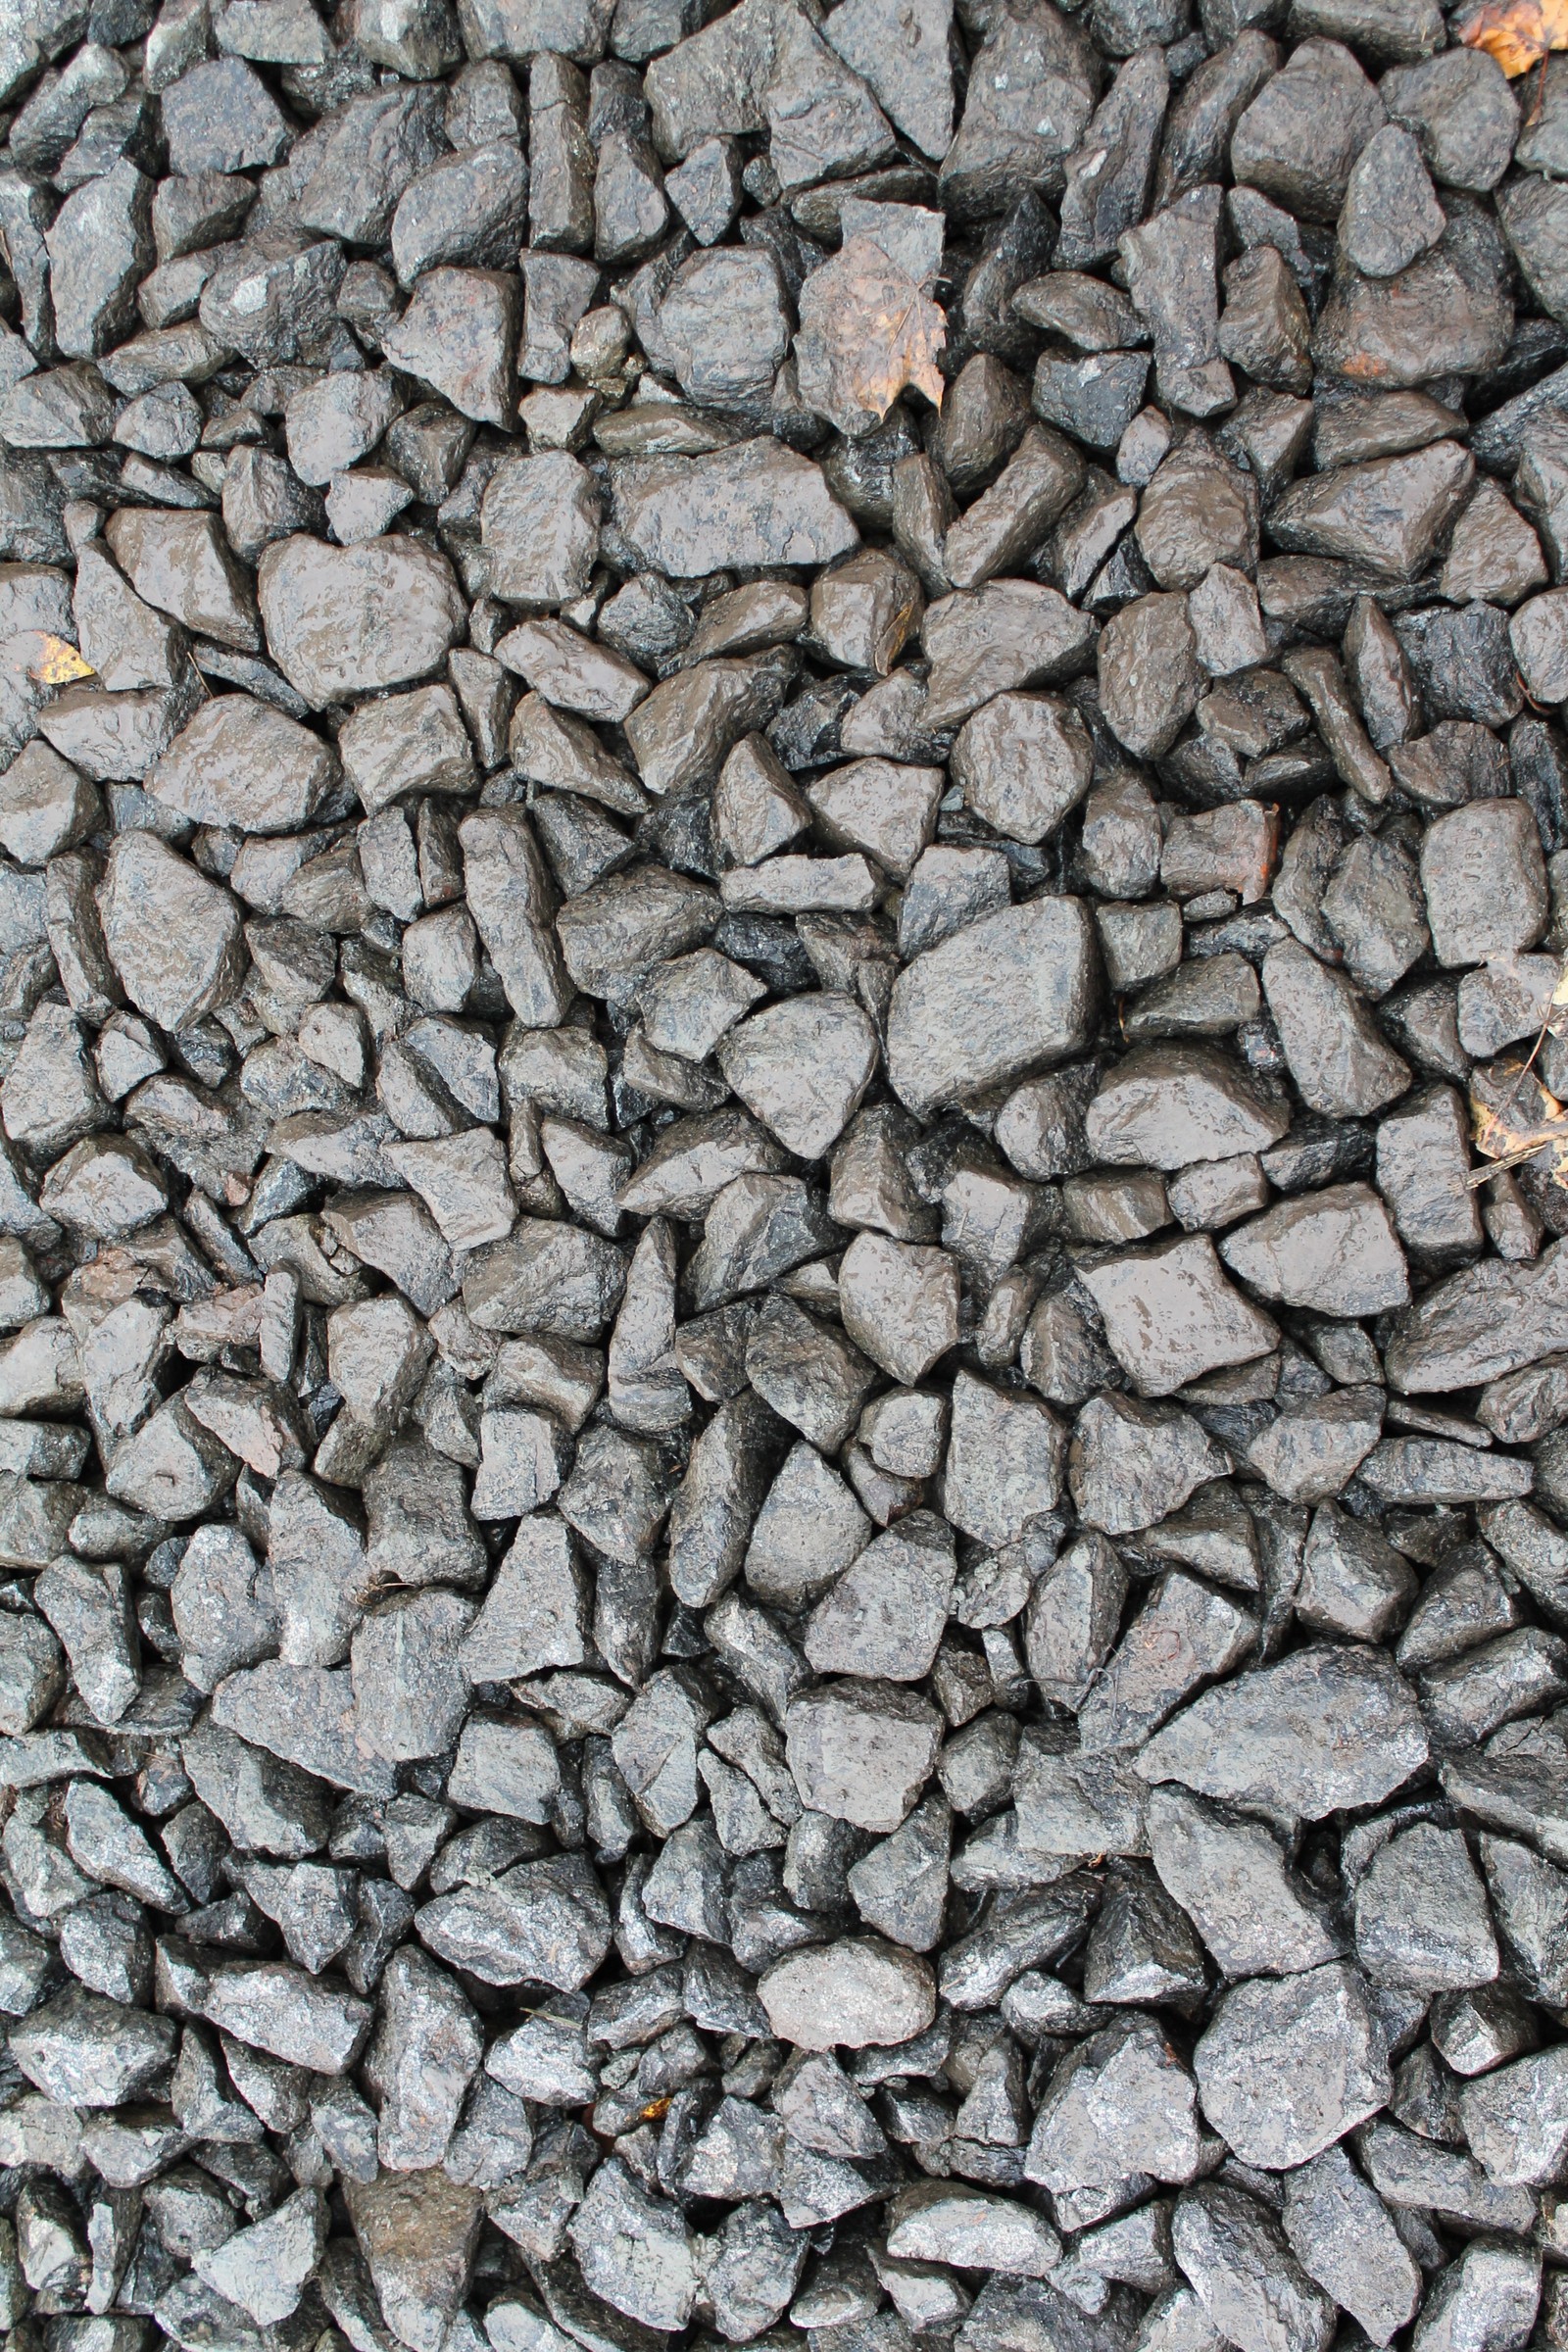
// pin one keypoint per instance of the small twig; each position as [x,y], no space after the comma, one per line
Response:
[1545,1030]
[1539,98]
[1529,1065]
[1556,1133]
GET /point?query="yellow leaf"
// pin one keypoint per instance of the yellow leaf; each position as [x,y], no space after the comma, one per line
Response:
[59,663]
[1518,33]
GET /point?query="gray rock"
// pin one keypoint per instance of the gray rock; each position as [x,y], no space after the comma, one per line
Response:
[1336,1055]
[1507,2120]
[545,1921]
[1132,1464]
[801,1068]
[172,936]
[1022,980]
[1117,2105]
[861,1752]
[852,1994]
[1170,1315]
[265,2268]
[887,1612]
[1421,1915]
[1490,2295]
[1273,1736]
[1333,1251]
[1311,2039]
[1168,1105]
[1249,2284]
[634,2250]
[754,503]
[1482,873]
[971,2230]
[1345,2240]
[1479,1324]
[244,765]
[1230,1876]
[83,2051]
[345,620]
[808,1529]
[1184,1634]
[425,2052]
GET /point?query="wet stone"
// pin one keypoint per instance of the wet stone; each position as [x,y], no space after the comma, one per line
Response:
[1171,1315]
[1245,2278]
[1276,1722]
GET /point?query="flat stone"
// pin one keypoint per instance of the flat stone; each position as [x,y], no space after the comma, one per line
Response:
[1171,1105]
[1170,1315]
[1021,981]
[852,1994]
[1276,1737]
[756,503]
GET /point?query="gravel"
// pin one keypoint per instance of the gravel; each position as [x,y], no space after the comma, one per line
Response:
[783,1191]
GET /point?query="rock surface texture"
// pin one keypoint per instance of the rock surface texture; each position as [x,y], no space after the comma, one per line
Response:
[783,1177]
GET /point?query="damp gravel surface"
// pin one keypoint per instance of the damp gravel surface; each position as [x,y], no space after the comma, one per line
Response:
[783,1181]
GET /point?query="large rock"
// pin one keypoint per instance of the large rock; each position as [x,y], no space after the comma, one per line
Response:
[344,620]
[763,66]
[1340,1062]
[756,503]
[417,2233]
[1334,1250]
[1484,1322]
[1169,1105]
[863,1751]
[1327,1728]
[852,1994]
[173,937]
[240,763]
[1119,2101]
[1170,1315]
[1009,994]
[1028,104]
[85,2051]
[1386,514]
[1289,2064]
[1131,1463]
[542,1922]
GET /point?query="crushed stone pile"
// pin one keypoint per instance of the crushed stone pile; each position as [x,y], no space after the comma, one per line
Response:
[783,1176]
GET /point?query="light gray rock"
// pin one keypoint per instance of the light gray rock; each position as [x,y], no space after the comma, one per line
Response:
[852,1994]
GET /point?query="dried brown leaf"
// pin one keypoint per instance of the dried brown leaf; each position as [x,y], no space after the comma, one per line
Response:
[903,332]
[1518,33]
[868,331]
[1512,1118]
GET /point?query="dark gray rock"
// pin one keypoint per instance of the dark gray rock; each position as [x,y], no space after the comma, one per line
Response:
[1274,1736]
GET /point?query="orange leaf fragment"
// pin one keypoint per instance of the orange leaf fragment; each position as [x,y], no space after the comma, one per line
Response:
[59,663]
[901,332]
[1518,33]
